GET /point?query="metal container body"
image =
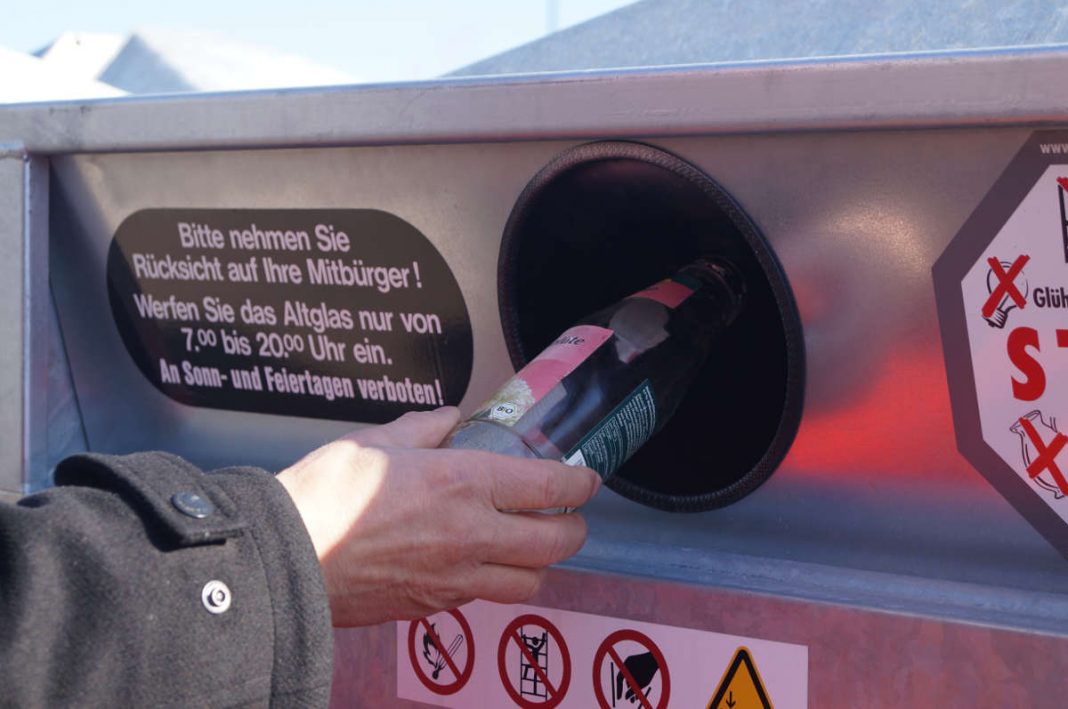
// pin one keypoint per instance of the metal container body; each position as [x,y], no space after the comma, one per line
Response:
[875,544]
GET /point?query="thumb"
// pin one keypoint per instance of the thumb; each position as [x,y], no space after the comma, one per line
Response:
[415,429]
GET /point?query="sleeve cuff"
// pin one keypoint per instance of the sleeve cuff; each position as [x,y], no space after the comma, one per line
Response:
[303,637]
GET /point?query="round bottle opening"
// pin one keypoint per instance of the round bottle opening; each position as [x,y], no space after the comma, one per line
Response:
[604,220]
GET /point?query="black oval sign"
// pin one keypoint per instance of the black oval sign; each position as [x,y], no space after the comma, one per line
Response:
[337,314]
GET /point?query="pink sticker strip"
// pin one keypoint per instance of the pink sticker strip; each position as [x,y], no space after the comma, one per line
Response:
[562,357]
[668,292]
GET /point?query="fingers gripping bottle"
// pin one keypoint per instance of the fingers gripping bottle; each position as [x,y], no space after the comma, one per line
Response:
[611,381]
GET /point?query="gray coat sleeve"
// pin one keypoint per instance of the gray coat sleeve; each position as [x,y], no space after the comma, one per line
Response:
[101,585]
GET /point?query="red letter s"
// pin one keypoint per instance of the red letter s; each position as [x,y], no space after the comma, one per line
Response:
[1035,383]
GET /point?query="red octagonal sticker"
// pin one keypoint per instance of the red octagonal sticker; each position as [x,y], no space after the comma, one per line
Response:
[1002,293]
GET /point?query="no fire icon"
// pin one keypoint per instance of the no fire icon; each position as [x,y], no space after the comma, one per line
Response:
[441,649]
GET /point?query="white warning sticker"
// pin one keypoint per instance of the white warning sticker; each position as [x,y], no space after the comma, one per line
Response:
[1001,289]
[506,655]
[1016,308]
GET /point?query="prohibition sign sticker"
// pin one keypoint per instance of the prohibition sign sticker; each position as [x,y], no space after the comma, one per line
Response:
[535,672]
[1001,287]
[629,667]
[434,647]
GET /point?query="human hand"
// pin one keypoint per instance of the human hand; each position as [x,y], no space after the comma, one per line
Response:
[403,530]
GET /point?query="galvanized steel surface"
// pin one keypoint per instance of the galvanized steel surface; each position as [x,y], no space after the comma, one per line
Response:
[855,658]
[25,310]
[873,510]
[873,506]
[1002,87]
[13,201]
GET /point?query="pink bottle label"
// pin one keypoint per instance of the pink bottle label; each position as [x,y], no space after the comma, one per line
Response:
[668,292]
[544,372]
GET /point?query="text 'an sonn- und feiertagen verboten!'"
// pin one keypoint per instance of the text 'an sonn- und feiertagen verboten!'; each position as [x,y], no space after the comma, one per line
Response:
[289,311]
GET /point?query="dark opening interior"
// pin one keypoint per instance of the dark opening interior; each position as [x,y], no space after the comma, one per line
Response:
[604,220]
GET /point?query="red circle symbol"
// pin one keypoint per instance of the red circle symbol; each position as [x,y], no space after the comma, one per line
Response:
[434,660]
[540,678]
[635,673]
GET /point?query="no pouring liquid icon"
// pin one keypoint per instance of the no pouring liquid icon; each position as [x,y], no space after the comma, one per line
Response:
[1040,442]
[642,669]
[629,670]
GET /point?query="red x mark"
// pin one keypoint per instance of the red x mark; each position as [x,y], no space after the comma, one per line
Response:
[1044,460]
[1005,284]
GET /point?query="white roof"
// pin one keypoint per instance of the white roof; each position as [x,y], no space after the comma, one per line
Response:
[25,78]
[153,61]
[86,65]
[84,54]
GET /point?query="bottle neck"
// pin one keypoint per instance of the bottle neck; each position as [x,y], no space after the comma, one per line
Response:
[712,289]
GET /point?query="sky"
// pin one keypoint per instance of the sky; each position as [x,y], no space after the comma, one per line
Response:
[384,40]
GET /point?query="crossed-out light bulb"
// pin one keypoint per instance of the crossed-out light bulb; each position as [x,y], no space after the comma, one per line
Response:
[1001,313]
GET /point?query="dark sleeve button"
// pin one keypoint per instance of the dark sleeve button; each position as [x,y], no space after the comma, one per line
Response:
[193,505]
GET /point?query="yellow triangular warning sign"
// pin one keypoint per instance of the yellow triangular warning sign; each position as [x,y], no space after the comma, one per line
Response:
[741,687]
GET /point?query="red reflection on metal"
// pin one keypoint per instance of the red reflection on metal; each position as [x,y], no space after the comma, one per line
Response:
[899,426]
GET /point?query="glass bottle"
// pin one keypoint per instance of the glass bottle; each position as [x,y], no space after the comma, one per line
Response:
[613,379]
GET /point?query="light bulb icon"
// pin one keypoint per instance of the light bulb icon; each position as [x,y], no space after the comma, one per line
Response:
[1011,297]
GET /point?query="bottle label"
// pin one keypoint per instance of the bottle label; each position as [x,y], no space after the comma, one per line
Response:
[544,372]
[618,435]
[670,292]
